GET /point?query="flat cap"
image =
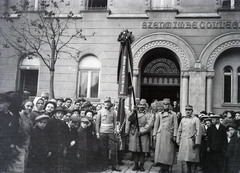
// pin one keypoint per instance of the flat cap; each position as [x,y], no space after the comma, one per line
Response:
[41,117]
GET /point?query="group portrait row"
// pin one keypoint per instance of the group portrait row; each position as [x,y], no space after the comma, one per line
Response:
[66,135]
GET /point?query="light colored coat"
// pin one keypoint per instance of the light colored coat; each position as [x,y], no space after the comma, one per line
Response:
[189,127]
[145,121]
[165,127]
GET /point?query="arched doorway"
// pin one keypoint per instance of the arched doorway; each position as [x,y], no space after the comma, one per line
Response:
[160,75]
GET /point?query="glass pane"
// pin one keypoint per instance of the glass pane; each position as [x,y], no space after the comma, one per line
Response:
[94,84]
[227,88]
[238,89]
[227,70]
[83,84]
[238,70]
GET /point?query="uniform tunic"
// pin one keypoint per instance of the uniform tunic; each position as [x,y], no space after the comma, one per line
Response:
[189,126]
[145,121]
[165,127]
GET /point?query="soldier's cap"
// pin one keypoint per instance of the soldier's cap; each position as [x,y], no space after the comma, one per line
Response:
[58,109]
[44,94]
[188,107]
[52,102]
[166,101]
[142,103]
[60,98]
[84,119]
[107,99]
[4,97]
[41,117]
[215,116]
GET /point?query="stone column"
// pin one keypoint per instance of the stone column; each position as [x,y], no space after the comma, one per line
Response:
[184,91]
[209,92]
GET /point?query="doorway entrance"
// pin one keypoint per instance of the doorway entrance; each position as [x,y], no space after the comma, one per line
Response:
[160,75]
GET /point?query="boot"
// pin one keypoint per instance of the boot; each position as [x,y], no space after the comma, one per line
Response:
[136,167]
[141,167]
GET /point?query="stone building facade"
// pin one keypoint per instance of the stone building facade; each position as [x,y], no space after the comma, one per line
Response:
[188,50]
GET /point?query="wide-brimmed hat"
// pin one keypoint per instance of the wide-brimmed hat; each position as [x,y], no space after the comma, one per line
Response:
[142,103]
[78,110]
[203,116]
[42,117]
[4,97]
[215,116]
[59,108]
[60,98]
[207,119]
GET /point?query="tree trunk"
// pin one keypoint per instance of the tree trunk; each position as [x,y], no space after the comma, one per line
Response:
[51,89]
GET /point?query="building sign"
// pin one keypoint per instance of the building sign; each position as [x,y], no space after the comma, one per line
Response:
[191,25]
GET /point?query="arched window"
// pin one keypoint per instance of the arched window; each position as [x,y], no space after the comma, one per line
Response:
[238,75]
[89,68]
[227,75]
[29,67]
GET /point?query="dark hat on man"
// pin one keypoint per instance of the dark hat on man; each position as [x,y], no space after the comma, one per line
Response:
[107,99]
[84,119]
[59,108]
[80,100]
[42,117]
[215,116]
[60,98]
[52,102]
[203,112]
[78,110]
[86,104]
[67,99]
[207,119]
[4,97]
[203,116]
[233,125]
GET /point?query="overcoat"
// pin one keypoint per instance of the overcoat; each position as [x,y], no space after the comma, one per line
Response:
[145,121]
[189,133]
[165,127]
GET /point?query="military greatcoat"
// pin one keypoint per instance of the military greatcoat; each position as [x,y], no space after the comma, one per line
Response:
[165,127]
[189,133]
[145,121]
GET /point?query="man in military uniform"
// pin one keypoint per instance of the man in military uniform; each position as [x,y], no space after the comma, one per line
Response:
[165,132]
[189,138]
[145,123]
[105,131]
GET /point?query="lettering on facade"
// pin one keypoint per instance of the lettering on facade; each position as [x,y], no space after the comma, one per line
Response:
[191,25]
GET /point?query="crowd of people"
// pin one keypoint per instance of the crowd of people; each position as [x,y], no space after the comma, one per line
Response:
[63,135]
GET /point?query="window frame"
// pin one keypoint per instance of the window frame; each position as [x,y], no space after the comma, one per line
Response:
[231,84]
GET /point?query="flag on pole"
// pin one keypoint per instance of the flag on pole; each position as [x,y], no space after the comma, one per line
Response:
[124,80]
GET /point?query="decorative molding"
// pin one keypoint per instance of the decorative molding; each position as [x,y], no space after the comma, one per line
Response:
[210,75]
[185,74]
[110,2]
[135,72]
[161,43]
[215,53]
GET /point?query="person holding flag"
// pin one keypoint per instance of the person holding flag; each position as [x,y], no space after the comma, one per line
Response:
[137,146]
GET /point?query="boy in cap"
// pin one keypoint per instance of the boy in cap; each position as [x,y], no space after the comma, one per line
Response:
[57,131]
[82,146]
[7,131]
[38,149]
